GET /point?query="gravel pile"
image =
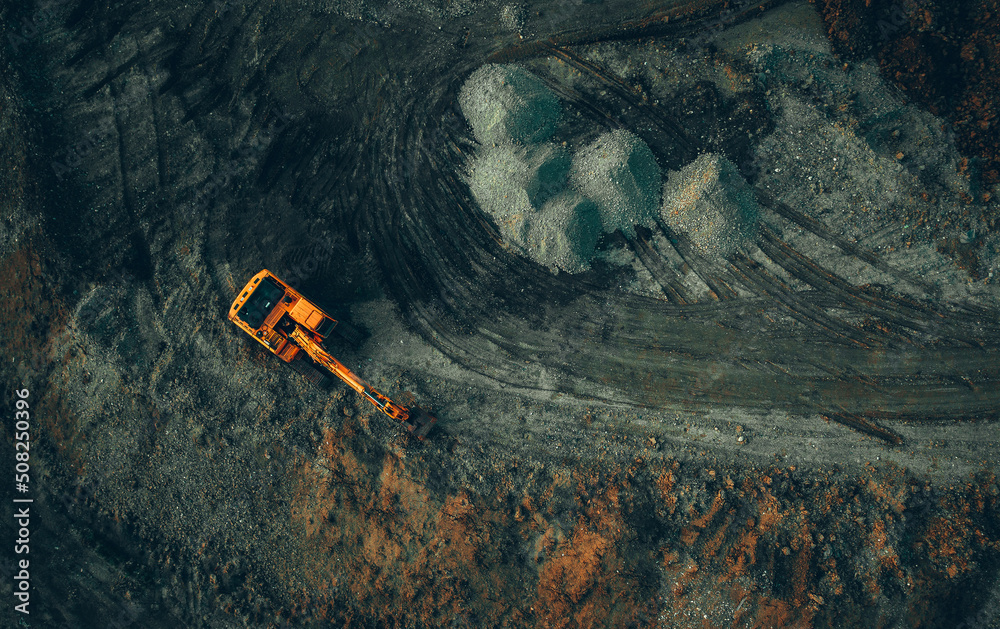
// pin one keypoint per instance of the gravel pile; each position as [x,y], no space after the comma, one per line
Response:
[618,171]
[564,233]
[550,207]
[513,182]
[524,189]
[512,17]
[507,104]
[710,202]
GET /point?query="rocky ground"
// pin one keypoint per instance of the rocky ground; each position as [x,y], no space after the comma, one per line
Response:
[800,433]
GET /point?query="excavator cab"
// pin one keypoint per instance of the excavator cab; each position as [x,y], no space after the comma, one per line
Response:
[265,296]
[268,309]
[289,325]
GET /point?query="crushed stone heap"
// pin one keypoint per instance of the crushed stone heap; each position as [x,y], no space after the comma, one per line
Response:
[710,202]
[512,182]
[522,180]
[618,171]
[532,173]
[505,103]
[524,189]
[564,233]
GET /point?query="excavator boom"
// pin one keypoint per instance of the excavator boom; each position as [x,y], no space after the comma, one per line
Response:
[338,369]
[286,323]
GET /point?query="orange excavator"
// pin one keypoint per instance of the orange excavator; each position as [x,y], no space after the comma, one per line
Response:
[289,325]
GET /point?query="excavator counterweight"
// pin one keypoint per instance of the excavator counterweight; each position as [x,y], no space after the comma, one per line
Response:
[288,325]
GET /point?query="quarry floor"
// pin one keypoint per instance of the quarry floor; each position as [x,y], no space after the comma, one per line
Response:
[781,449]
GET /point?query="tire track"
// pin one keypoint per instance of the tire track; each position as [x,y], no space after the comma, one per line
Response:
[507,318]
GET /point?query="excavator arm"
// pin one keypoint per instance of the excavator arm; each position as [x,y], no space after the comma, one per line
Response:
[416,420]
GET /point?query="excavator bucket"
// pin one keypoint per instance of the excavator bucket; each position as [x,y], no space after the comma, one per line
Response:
[420,422]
